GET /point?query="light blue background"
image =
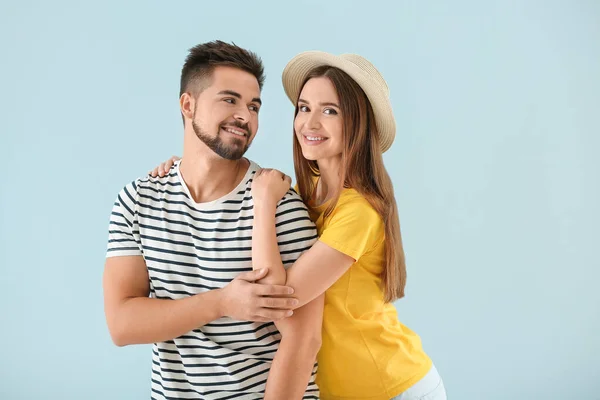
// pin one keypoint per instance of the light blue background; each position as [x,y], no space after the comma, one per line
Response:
[495,167]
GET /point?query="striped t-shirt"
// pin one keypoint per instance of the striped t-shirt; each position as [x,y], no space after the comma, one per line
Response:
[191,248]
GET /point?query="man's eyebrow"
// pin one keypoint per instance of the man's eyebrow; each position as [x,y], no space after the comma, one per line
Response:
[239,96]
[231,93]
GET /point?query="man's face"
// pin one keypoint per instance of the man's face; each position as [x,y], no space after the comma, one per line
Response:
[226,113]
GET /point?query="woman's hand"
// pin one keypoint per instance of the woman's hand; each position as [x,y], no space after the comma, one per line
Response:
[163,168]
[269,186]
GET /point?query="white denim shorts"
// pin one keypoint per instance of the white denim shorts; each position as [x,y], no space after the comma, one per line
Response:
[430,387]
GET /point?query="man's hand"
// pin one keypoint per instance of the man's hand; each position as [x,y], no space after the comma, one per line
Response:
[245,300]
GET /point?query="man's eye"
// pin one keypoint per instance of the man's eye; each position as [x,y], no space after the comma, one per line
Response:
[229,100]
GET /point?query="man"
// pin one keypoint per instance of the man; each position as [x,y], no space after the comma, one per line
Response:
[178,271]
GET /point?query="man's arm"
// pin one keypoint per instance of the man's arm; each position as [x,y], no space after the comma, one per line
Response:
[133,318]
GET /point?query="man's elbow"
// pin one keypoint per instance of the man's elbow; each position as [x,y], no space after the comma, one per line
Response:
[118,335]
[118,331]
[119,342]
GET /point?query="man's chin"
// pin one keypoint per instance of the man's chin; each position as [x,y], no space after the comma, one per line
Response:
[237,140]
[233,153]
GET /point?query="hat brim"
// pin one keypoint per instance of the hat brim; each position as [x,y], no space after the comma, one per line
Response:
[300,66]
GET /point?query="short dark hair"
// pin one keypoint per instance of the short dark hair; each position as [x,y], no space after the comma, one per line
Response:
[203,58]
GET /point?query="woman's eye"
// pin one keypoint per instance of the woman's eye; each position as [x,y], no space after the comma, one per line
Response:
[303,109]
[330,111]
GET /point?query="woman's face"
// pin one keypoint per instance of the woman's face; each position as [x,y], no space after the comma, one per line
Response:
[319,122]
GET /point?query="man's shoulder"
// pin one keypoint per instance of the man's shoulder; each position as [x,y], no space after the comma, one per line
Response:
[291,197]
[291,209]
[168,183]
[130,190]
[294,225]
[253,165]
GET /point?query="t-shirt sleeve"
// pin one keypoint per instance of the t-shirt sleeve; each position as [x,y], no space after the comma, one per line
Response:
[122,239]
[296,233]
[355,227]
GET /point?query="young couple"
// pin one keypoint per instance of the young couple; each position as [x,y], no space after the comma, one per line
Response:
[242,283]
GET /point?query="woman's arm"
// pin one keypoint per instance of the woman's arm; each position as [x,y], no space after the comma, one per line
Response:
[265,250]
[268,188]
[315,271]
[296,355]
[311,275]
[301,333]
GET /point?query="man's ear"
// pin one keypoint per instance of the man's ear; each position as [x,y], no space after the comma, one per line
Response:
[187,104]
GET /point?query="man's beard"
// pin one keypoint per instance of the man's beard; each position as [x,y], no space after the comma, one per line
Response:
[233,151]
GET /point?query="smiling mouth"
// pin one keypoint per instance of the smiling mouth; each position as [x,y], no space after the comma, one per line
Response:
[235,131]
[309,139]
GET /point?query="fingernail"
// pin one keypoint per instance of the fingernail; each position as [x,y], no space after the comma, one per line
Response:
[290,290]
[290,313]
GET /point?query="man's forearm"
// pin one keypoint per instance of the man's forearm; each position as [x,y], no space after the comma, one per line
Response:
[141,320]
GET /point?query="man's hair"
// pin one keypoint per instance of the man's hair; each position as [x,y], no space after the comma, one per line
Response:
[202,59]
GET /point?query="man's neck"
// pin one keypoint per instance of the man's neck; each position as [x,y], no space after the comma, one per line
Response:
[208,176]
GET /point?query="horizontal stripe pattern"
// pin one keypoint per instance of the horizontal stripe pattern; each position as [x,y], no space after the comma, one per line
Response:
[190,248]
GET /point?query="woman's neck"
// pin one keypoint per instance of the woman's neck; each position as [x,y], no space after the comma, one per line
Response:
[329,181]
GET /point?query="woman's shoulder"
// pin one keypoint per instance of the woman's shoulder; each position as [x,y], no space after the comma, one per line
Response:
[352,196]
[352,200]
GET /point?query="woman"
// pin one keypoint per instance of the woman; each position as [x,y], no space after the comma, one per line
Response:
[343,123]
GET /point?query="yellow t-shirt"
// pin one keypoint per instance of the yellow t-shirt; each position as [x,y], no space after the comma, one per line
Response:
[366,352]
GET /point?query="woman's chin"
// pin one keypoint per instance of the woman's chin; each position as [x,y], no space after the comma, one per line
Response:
[309,155]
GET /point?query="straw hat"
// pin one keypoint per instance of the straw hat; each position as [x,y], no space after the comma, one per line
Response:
[361,70]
